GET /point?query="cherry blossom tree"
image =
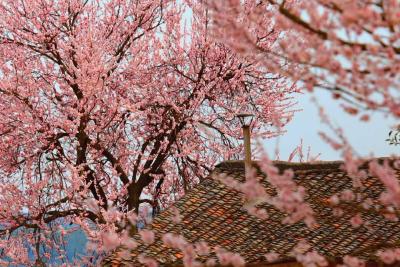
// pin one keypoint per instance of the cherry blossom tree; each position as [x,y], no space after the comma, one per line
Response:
[108,105]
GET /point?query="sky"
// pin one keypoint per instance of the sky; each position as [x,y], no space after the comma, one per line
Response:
[367,138]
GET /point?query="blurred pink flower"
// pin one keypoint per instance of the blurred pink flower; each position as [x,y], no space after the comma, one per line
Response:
[149,262]
[271,256]
[202,248]
[176,217]
[110,240]
[389,256]
[211,262]
[350,261]
[356,221]
[147,236]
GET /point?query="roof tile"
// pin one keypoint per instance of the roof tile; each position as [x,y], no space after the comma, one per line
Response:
[213,213]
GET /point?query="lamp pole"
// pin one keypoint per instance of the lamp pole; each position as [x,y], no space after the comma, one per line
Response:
[247,148]
[246,120]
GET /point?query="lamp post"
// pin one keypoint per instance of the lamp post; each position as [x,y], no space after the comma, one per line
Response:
[245,120]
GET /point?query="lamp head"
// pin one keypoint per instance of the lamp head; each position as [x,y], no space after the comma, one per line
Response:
[245,119]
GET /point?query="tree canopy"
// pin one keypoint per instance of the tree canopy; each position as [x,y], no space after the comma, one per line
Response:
[108,107]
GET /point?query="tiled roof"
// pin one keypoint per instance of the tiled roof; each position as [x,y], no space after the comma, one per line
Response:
[214,213]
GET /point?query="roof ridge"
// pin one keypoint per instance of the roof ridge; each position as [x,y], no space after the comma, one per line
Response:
[312,165]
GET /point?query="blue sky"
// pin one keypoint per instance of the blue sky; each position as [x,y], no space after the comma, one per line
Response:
[367,138]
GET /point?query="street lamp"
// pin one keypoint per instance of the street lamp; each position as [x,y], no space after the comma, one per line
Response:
[245,120]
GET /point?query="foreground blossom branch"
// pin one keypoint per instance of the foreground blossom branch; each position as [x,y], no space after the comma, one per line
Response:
[350,48]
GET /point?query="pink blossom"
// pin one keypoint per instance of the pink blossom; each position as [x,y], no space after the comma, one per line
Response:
[311,259]
[174,241]
[350,261]
[259,213]
[176,217]
[306,257]
[125,254]
[91,246]
[93,205]
[211,262]
[388,177]
[351,110]
[132,218]
[301,247]
[290,197]
[110,240]
[356,220]
[227,258]
[391,217]
[189,251]
[202,248]
[334,199]
[271,256]
[387,256]
[237,260]
[147,236]
[337,212]
[146,261]
[130,243]
[191,263]
[347,195]
[365,117]
[367,203]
